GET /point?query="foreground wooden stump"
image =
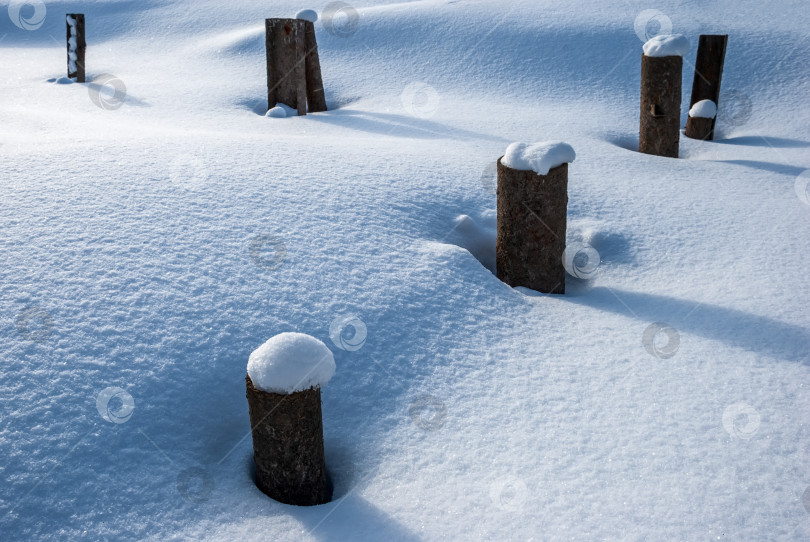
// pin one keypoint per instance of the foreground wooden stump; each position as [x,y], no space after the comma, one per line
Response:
[659,129]
[711,55]
[288,445]
[293,66]
[76,46]
[532,212]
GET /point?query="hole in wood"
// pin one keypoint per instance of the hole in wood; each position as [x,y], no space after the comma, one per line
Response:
[656,111]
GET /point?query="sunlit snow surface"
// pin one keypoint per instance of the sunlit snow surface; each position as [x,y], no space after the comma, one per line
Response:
[157,228]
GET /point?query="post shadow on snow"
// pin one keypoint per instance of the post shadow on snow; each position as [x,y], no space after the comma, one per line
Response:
[377,123]
[782,169]
[732,327]
[765,141]
[397,125]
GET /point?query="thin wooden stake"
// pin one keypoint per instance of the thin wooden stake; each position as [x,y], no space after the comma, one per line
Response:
[315,95]
[711,55]
[76,46]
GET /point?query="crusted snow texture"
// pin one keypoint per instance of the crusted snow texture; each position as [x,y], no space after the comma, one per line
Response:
[704,109]
[667,45]
[291,362]
[538,157]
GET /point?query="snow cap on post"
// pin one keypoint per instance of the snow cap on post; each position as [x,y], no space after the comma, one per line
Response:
[704,109]
[667,45]
[308,15]
[538,157]
[291,362]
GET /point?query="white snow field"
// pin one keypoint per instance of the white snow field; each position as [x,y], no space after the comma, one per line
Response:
[157,228]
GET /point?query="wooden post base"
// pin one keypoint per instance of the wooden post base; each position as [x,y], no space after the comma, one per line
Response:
[532,214]
[288,445]
[700,128]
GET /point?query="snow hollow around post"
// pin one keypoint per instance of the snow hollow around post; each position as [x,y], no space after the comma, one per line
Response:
[291,362]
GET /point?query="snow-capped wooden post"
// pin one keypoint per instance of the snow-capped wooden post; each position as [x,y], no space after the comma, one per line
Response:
[283,384]
[76,46]
[293,65]
[532,213]
[711,55]
[661,74]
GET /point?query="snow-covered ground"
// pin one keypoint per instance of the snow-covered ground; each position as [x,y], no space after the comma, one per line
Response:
[153,238]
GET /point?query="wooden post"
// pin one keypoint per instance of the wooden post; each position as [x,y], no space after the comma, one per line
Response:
[315,94]
[532,213]
[288,445]
[293,66]
[659,130]
[76,46]
[711,55]
[285,42]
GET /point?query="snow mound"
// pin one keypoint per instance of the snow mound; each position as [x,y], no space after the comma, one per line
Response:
[667,45]
[276,112]
[291,362]
[538,157]
[308,15]
[704,109]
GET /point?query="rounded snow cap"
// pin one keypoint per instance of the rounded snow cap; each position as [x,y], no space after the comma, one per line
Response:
[308,15]
[704,109]
[667,45]
[538,157]
[291,362]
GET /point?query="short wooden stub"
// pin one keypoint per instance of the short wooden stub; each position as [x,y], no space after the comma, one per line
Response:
[76,46]
[711,55]
[700,128]
[293,66]
[288,445]
[532,211]
[659,130]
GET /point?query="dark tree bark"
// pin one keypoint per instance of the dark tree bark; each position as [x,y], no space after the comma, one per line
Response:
[288,445]
[76,45]
[532,212]
[285,41]
[700,128]
[711,55]
[659,130]
[315,94]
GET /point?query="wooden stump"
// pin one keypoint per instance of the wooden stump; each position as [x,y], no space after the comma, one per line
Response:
[711,55]
[659,130]
[293,65]
[288,445]
[532,212]
[76,46]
